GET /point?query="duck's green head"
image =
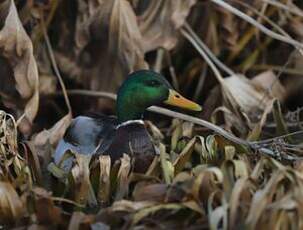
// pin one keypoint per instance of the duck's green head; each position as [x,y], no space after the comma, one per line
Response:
[143,89]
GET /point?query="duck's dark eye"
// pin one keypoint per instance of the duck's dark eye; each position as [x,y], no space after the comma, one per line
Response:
[153,83]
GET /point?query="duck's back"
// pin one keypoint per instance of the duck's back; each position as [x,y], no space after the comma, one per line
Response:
[86,135]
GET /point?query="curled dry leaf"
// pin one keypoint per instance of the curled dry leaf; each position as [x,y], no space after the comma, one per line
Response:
[17,48]
[54,134]
[166,165]
[245,94]
[83,190]
[244,101]
[160,22]
[184,156]
[240,192]
[218,217]
[262,197]
[123,177]
[44,142]
[104,179]
[208,149]
[154,131]
[271,84]
[11,206]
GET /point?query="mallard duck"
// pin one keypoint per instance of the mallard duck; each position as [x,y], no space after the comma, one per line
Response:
[125,133]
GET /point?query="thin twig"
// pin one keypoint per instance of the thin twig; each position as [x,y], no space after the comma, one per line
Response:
[159,60]
[54,64]
[275,138]
[277,68]
[262,28]
[264,17]
[262,13]
[172,70]
[61,199]
[226,90]
[201,81]
[91,93]
[199,121]
[38,35]
[284,7]
[209,52]
[203,54]
[20,119]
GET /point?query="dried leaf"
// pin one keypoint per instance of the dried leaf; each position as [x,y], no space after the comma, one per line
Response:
[261,199]
[17,48]
[155,131]
[208,150]
[104,179]
[184,156]
[271,84]
[166,165]
[150,192]
[176,133]
[11,206]
[246,95]
[245,100]
[160,22]
[45,141]
[123,177]
[54,134]
[109,39]
[151,210]
[12,166]
[218,216]
[235,201]
[130,206]
[82,189]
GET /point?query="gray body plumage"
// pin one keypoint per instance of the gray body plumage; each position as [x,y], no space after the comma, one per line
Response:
[85,135]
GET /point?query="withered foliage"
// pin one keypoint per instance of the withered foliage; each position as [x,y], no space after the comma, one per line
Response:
[241,60]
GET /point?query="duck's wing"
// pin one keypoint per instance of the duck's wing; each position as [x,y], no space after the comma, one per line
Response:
[85,135]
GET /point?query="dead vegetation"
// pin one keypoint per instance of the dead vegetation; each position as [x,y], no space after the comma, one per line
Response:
[241,60]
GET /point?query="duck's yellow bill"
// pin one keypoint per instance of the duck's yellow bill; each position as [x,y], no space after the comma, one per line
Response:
[175,99]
